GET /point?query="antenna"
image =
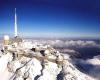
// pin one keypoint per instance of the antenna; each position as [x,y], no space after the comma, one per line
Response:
[15,26]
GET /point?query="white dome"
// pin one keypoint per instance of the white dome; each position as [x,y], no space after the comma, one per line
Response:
[6,37]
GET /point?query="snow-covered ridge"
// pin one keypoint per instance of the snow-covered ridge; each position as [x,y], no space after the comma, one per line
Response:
[33,61]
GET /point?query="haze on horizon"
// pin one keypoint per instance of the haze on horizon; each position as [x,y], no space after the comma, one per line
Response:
[51,18]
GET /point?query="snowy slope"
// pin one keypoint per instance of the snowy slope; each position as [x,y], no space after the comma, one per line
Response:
[29,61]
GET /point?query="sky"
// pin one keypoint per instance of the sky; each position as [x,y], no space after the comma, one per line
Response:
[51,18]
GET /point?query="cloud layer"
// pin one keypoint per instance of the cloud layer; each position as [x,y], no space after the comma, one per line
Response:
[89,66]
[69,43]
[73,43]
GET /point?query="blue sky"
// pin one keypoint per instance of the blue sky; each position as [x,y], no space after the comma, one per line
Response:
[51,18]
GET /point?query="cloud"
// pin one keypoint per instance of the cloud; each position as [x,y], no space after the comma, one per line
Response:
[95,71]
[59,43]
[89,66]
[73,43]
[80,43]
[94,61]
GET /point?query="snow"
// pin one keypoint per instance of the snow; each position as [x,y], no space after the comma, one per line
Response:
[50,72]
[71,73]
[35,69]
[4,74]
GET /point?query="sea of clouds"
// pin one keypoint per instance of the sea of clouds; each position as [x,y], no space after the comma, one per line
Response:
[67,43]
